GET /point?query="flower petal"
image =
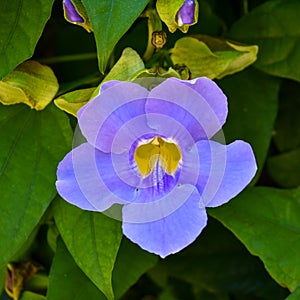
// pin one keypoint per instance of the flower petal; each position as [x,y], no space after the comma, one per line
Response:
[172,233]
[200,106]
[117,103]
[85,179]
[224,170]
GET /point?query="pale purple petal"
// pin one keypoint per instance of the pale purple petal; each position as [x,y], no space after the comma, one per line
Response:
[181,100]
[102,118]
[81,180]
[71,12]
[224,170]
[171,233]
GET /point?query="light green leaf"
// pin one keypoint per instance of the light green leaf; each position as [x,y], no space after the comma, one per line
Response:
[93,240]
[27,295]
[212,57]
[67,281]
[73,101]
[110,20]
[274,27]
[30,83]
[22,24]
[295,295]
[267,221]
[168,10]
[252,103]
[32,144]
[285,168]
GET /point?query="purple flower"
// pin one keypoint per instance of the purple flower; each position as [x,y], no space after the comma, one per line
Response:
[150,151]
[71,12]
[186,14]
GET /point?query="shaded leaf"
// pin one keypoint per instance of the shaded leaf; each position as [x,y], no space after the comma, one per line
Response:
[27,295]
[287,125]
[30,83]
[274,27]
[252,99]
[22,26]
[93,240]
[285,168]
[212,57]
[267,221]
[67,281]
[110,20]
[32,144]
[214,250]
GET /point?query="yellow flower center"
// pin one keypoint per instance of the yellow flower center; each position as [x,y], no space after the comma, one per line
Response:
[158,150]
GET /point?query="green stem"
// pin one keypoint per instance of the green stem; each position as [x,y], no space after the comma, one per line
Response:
[154,24]
[68,58]
[245,7]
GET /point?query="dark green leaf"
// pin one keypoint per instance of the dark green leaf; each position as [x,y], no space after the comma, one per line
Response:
[22,23]
[285,168]
[67,281]
[32,144]
[274,27]
[93,240]
[287,125]
[267,221]
[110,20]
[218,265]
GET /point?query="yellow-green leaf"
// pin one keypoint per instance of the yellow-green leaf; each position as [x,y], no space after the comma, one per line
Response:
[30,83]
[212,57]
[73,101]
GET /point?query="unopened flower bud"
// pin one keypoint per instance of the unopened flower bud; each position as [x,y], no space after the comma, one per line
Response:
[159,39]
[186,14]
[71,12]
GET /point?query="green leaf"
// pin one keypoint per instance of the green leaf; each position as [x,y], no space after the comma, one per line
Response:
[30,83]
[274,27]
[285,168]
[27,295]
[93,240]
[133,268]
[73,101]
[214,250]
[252,100]
[168,10]
[67,281]
[267,221]
[287,125]
[295,295]
[22,24]
[32,144]
[212,57]
[110,20]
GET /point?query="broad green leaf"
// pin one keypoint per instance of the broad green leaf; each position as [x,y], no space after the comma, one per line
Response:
[252,107]
[30,83]
[214,250]
[67,281]
[133,268]
[267,221]
[32,144]
[110,19]
[73,101]
[287,125]
[295,295]
[285,168]
[168,10]
[93,240]
[212,57]
[274,27]
[22,24]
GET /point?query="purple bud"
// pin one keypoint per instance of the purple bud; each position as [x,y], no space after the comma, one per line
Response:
[186,14]
[71,12]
